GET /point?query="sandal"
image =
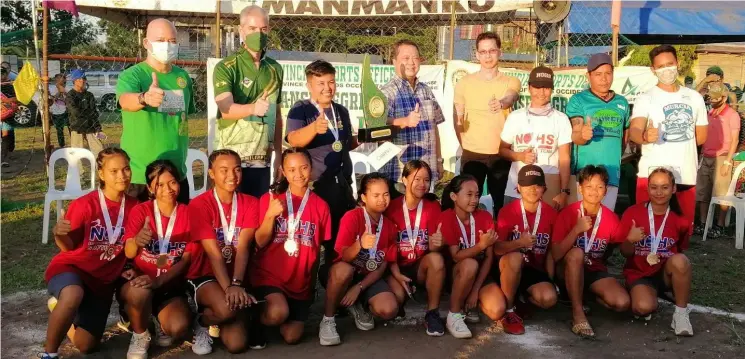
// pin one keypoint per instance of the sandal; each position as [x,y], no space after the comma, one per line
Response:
[583,330]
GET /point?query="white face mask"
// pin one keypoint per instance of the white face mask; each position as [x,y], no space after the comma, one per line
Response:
[667,75]
[164,51]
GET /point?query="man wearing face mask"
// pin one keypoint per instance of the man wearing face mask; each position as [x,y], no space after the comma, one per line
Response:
[412,108]
[669,121]
[248,88]
[156,96]
[85,129]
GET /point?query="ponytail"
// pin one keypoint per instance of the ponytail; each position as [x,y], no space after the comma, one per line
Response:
[454,186]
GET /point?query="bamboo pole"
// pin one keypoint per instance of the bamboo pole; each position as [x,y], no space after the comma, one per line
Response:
[45,84]
[218,33]
[452,30]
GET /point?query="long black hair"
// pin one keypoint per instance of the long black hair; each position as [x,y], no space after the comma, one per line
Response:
[455,185]
[365,182]
[157,168]
[414,166]
[103,155]
[674,204]
[281,184]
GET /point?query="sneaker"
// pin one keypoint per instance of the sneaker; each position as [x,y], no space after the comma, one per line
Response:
[698,229]
[214,331]
[138,346]
[433,323]
[202,341]
[511,323]
[51,303]
[161,338]
[362,318]
[46,356]
[327,332]
[401,313]
[256,335]
[646,318]
[457,327]
[682,324]
[472,317]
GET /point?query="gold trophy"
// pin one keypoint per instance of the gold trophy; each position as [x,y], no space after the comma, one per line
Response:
[374,125]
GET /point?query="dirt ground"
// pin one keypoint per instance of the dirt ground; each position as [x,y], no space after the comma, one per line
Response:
[547,335]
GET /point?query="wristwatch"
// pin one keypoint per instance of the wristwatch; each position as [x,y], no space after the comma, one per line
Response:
[141,99]
[566,190]
[237,282]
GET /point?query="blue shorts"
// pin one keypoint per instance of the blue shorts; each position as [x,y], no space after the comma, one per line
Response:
[93,310]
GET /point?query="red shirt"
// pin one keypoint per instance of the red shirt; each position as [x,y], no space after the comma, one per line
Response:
[272,266]
[146,260]
[452,236]
[675,239]
[607,234]
[352,226]
[205,224]
[94,260]
[510,226]
[430,214]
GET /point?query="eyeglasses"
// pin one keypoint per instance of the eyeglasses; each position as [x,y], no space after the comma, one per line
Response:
[488,52]
[411,59]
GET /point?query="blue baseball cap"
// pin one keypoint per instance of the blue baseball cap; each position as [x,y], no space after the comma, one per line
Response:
[598,60]
[77,74]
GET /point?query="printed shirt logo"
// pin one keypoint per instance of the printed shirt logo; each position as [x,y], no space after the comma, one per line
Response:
[404,246]
[181,82]
[228,251]
[541,241]
[98,240]
[644,247]
[304,234]
[607,122]
[678,123]
[363,256]
[247,82]
[598,246]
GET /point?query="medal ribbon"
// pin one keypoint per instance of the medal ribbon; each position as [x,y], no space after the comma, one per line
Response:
[293,219]
[164,240]
[113,233]
[415,233]
[227,230]
[368,222]
[535,222]
[590,240]
[472,241]
[656,236]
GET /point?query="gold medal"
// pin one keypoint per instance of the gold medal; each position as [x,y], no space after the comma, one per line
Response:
[653,259]
[162,261]
[371,265]
[336,146]
[227,252]
[290,246]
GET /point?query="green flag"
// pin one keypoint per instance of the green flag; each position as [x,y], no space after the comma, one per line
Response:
[373,125]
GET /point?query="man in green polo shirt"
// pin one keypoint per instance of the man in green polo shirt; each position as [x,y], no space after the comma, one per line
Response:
[248,88]
[156,97]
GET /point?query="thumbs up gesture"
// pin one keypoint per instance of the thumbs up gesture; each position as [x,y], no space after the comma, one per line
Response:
[261,106]
[62,227]
[527,240]
[276,207]
[494,104]
[487,239]
[587,129]
[584,223]
[528,156]
[636,233]
[154,95]
[145,235]
[651,133]
[368,239]
[414,116]
[321,125]
[435,240]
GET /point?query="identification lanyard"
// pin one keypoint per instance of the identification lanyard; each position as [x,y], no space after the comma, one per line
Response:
[368,222]
[590,240]
[293,219]
[227,230]
[413,234]
[469,241]
[112,232]
[164,240]
[535,222]
[656,236]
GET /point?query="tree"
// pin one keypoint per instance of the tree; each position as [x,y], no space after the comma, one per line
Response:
[65,31]
[120,42]
[686,57]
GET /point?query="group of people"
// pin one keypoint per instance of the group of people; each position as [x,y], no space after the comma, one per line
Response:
[246,253]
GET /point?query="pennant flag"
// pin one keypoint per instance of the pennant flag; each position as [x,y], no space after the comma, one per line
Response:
[65,5]
[26,84]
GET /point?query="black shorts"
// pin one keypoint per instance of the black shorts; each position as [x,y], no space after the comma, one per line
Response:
[193,286]
[529,277]
[93,310]
[411,270]
[380,286]
[656,281]
[162,296]
[299,309]
[592,277]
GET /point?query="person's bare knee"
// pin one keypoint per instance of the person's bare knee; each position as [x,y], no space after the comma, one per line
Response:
[512,261]
[466,268]
[397,289]
[177,326]
[276,311]
[435,262]
[341,272]
[384,306]
[618,301]
[679,263]
[643,307]
[233,338]
[292,332]
[70,297]
[85,341]
[575,257]
[545,298]
[222,312]
[137,297]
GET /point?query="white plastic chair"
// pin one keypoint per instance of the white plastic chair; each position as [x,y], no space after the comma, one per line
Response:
[734,202]
[194,155]
[73,188]
[358,158]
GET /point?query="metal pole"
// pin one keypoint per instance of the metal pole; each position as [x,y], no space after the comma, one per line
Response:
[615,23]
[45,83]
[218,35]
[558,47]
[452,30]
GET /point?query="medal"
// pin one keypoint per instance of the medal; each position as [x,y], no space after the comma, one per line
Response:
[336,146]
[112,232]
[653,258]
[371,264]
[536,222]
[227,229]
[164,240]
[589,241]
[293,220]
[413,233]
[467,241]
[227,253]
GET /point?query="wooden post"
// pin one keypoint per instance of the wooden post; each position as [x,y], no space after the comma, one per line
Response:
[218,33]
[615,23]
[44,105]
[452,30]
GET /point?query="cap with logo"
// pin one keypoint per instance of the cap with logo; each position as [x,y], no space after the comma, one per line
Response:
[77,74]
[531,175]
[541,77]
[598,60]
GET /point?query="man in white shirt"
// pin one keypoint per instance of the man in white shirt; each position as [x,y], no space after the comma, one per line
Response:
[669,121]
[540,135]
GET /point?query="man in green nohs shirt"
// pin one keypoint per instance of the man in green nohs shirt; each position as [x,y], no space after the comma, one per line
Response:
[248,88]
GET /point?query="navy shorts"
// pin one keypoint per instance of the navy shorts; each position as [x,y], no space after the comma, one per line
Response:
[380,286]
[656,281]
[93,310]
[299,309]
[592,277]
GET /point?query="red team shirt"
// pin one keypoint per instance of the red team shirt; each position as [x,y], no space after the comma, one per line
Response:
[607,234]
[352,225]
[204,224]
[510,226]
[451,230]
[146,260]
[273,266]
[97,263]
[430,215]
[675,239]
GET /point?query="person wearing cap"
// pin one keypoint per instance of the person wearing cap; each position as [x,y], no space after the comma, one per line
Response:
[600,122]
[524,264]
[669,121]
[714,74]
[715,168]
[482,100]
[156,96]
[85,129]
[539,134]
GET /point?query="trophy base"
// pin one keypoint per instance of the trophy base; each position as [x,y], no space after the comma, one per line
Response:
[376,134]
